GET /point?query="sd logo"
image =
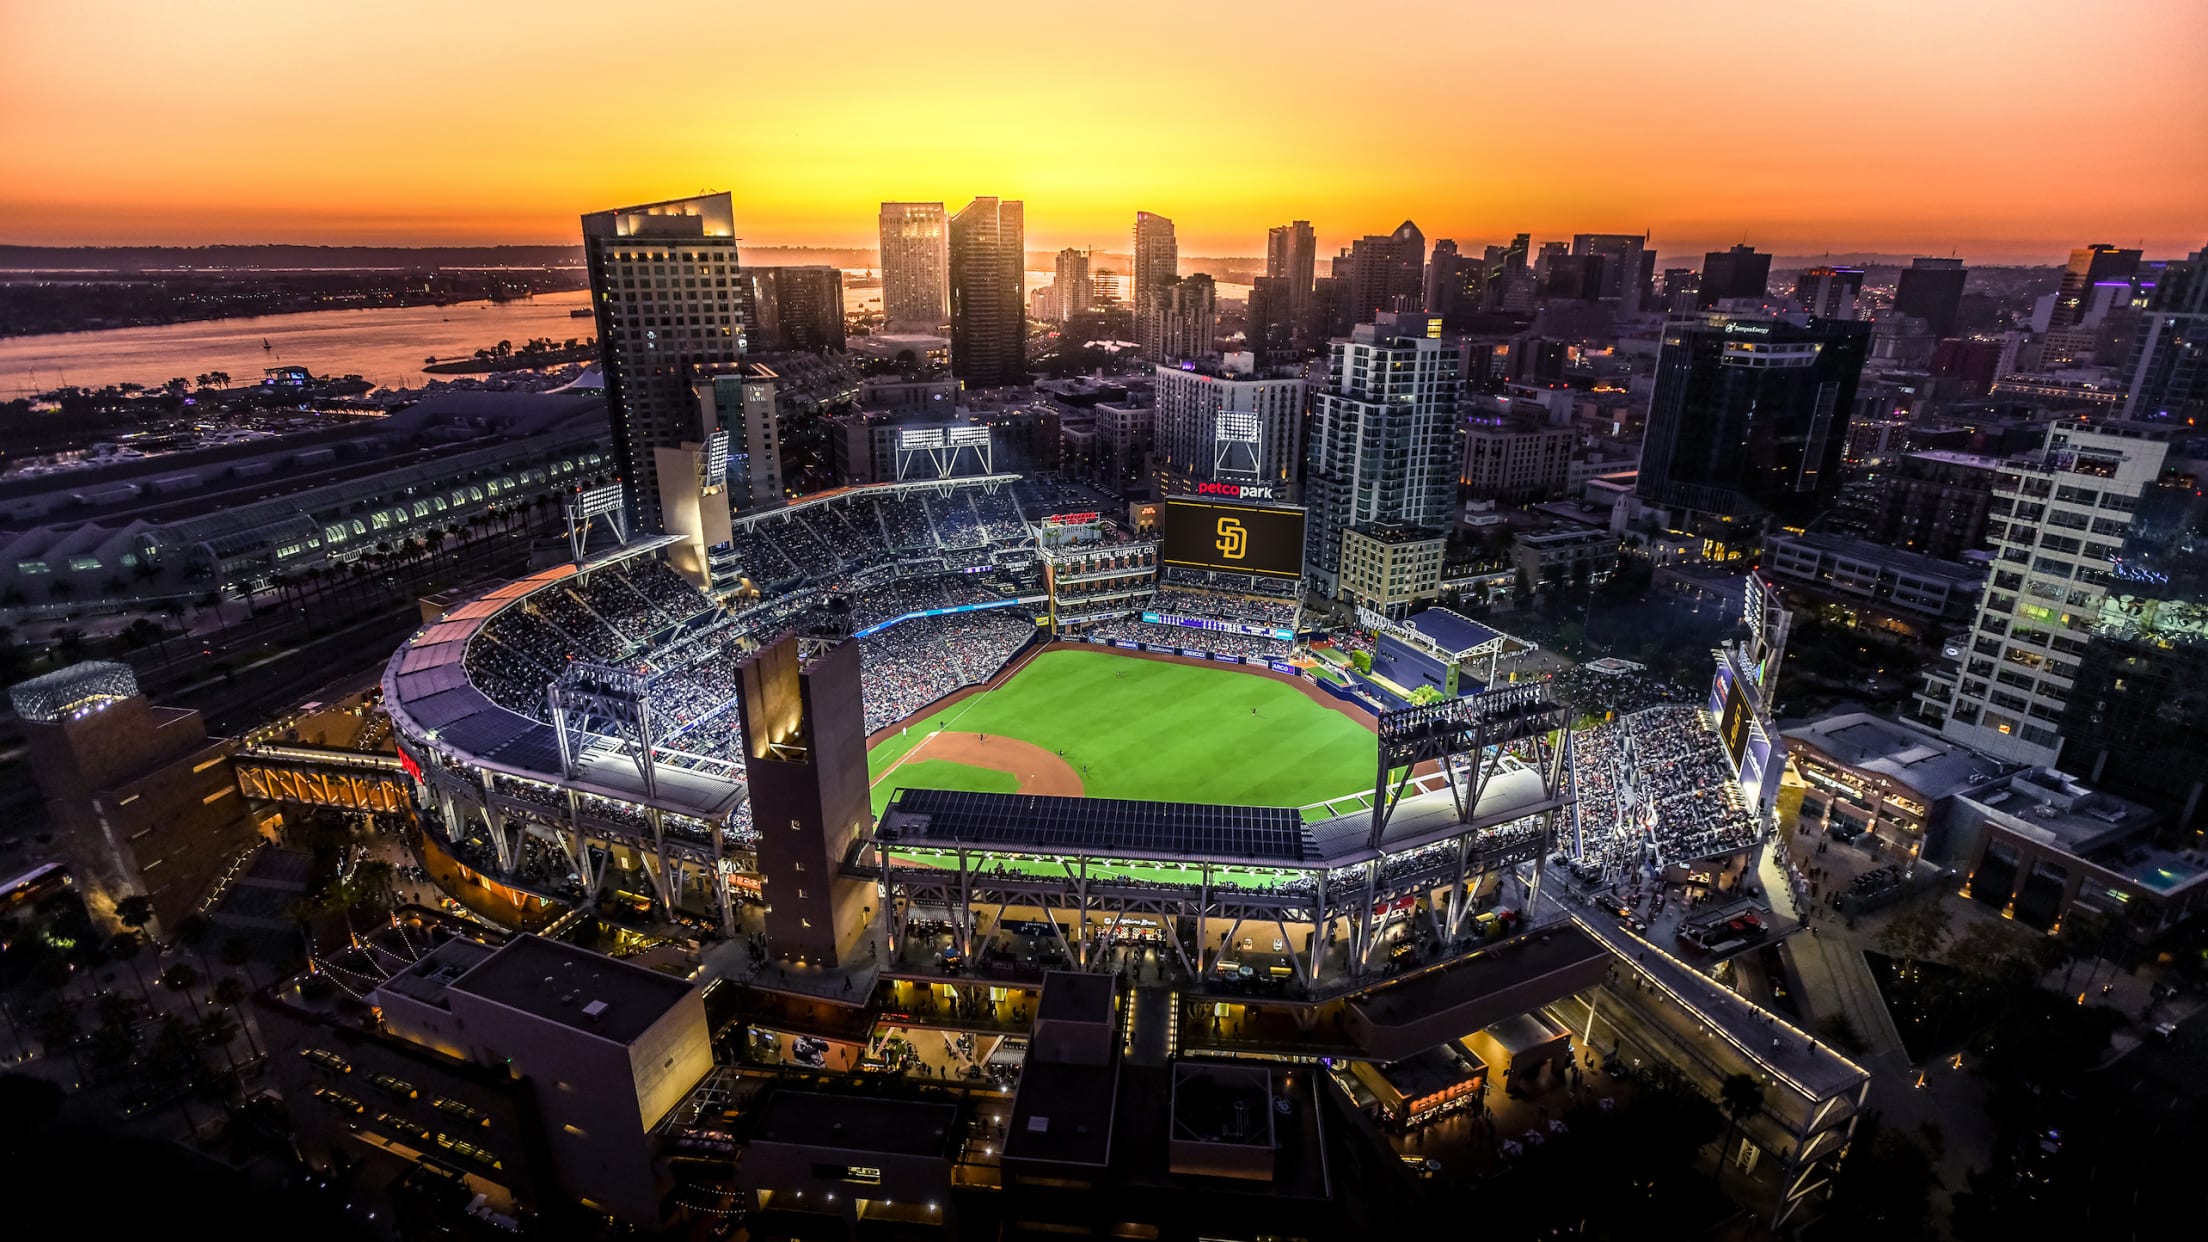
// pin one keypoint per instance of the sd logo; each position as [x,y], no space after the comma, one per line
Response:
[1234,539]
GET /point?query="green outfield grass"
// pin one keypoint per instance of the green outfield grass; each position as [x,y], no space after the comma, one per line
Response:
[1155,730]
[945,774]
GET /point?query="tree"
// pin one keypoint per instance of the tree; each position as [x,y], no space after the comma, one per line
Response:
[1741,1097]
[230,993]
[125,947]
[1916,931]
[237,953]
[179,977]
[135,911]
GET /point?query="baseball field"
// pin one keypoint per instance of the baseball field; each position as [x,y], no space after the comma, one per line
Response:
[1104,725]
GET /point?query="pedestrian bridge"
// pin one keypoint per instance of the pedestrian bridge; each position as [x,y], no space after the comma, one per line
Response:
[351,780]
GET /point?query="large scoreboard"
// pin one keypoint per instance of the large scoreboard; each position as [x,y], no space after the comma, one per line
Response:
[1250,539]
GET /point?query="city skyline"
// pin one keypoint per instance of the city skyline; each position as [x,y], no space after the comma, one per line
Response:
[1696,168]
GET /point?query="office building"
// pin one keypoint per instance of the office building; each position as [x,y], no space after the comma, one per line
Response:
[2169,359]
[1157,257]
[1628,267]
[916,266]
[795,308]
[1935,503]
[1291,256]
[1748,423]
[739,452]
[1387,273]
[141,800]
[534,1073]
[2043,847]
[1567,556]
[1830,292]
[2087,648]
[1741,272]
[1331,313]
[1072,283]
[1228,423]
[1679,289]
[1877,586]
[2089,266]
[1178,319]
[1893,780]
[1387,567]
[1383,438]
[669,296]
[1508,281]
[1456,286]
[1516,463]
[1271,324]
[1932,290]
[988,305]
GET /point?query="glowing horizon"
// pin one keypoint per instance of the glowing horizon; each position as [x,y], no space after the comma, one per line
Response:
[1875,126]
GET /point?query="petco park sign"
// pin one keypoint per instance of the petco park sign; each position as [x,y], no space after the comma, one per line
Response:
[1236,491]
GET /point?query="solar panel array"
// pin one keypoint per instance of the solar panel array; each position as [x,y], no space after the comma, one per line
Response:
[1107,826]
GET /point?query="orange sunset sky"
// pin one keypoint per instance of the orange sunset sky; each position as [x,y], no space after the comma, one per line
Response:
[2003,131]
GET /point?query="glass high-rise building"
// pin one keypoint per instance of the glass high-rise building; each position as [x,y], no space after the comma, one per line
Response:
[2169,363]
[915,240]
[1741,272]
[1073,283]
[1932,290]
[669,298]
[988,306]
[1157,256]
[1291,257]
[1748,423]
[1384,439]
[1387,273]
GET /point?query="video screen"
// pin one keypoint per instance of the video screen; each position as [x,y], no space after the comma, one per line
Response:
[1240,538]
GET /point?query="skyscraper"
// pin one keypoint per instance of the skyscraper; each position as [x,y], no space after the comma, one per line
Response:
[1178,319]
[1829,292]
[1741,272]
[1387,272]
[1157,255]
[668,294]
[1383,437]
[915,266]
[1271,327]
[795,308]
[1628,267]
[1932,290]
[1748,422]
[988,311]
[1073,283]
[2169,362]
[1508,279]
[1291,255]
[2090,266]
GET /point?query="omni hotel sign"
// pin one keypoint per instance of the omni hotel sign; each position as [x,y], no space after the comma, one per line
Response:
[1236,491]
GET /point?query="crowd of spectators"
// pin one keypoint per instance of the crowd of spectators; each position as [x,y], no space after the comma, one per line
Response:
[912,664]
[954,520]
[1655,787]
[1217,642]
[1241,608]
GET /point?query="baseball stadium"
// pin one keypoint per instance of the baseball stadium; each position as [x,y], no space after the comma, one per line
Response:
[930,742]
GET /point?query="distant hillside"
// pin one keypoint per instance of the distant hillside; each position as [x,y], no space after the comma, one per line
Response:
[281,258]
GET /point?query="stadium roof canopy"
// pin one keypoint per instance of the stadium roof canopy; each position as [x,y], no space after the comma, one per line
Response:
[1457,636]
[1098,826]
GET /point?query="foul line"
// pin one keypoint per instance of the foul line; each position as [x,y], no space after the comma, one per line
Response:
[930,736]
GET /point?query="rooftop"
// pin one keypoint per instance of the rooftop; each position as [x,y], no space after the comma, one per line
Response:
[1096,826]
[2054,808]
[1454,633]
[1075,996]
[1063,1114]
[1924,761]
[1915,563]
[576,988]
[857,1123]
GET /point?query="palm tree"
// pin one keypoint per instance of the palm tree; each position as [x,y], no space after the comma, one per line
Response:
[179,978]
[237,952]
[1741,1097]
[135,911]
[219,1030]
[191,932]
[230,993]
[125,947]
